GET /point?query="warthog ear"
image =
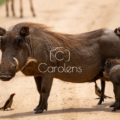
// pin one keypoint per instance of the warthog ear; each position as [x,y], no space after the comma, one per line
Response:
[24,31]
[2,31]
[108,62]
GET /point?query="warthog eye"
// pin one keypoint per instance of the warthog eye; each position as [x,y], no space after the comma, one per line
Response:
[18,40]
[1,39]
[1,42]
[108,63]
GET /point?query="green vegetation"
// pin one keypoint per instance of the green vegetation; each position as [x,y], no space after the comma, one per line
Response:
[2,1]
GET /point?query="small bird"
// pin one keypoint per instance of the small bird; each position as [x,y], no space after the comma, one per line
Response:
[8,103]
[98,91]
[117,31]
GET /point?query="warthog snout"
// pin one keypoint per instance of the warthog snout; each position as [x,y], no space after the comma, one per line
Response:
[5,77]
[7,71]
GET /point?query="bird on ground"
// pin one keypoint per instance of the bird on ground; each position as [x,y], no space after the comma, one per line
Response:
[8,103]
[117,31]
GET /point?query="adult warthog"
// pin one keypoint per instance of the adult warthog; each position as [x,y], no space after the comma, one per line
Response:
[39,52]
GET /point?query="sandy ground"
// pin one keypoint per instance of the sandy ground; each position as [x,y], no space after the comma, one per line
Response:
[67,101]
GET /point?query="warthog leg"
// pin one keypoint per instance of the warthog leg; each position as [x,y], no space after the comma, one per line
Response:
[117,96]
[38,81]
[7,9]
[113,105]
[115,87]
[45,91]
[102,91]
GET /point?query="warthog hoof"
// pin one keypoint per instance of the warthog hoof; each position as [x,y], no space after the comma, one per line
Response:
[35,109]
[99,103]
[46,107]
[113,105]
[114,110]
[39,111]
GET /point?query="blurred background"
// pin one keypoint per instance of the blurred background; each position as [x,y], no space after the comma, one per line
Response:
[70,16]
[67,101]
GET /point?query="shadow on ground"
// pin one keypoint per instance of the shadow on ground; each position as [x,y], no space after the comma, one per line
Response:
[70,110]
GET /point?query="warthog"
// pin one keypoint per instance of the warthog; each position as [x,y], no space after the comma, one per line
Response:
[39,52]
[112,72]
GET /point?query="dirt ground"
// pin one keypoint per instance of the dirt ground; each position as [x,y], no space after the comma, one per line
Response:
[67,101]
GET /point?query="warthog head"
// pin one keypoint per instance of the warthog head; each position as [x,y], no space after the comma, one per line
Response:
[108,65]
[14,52]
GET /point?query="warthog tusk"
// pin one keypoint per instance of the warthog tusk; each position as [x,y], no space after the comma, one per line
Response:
[17,63]
[28,61]
[31,60]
